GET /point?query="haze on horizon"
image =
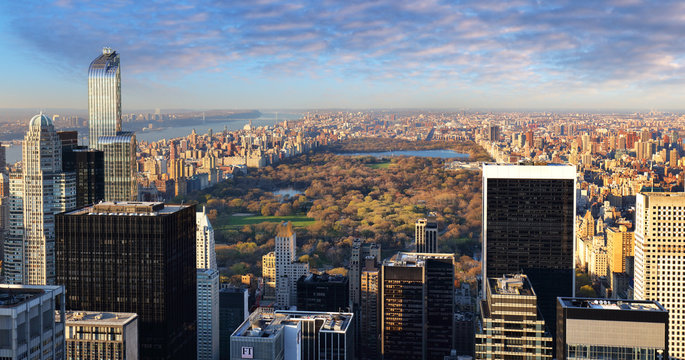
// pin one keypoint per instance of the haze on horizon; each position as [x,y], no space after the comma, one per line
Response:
[269,54]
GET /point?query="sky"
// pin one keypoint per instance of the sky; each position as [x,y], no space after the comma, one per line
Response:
[292,54]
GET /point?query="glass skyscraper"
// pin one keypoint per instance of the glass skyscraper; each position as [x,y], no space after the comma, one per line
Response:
[120,166]
[104,97]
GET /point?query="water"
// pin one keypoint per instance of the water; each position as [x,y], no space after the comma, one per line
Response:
[13,152]
[441,153]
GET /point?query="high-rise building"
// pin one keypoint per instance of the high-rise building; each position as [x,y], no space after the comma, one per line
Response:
[493,132]
[287,270]
[426,235]
[89,167]
[32,318]
[294,335]
[269,276]
[101,335]
[322,293]
[369,312]
[120,166]
[40,191]
[611,329]
[620,244]
[660,259]
[528,226]
[360,252]
[3,159]
[233,310]
[207,314]
[134,257]
[510,327]
[417,306]
[206,255]
[104,97]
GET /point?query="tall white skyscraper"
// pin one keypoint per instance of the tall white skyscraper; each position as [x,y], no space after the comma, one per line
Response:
[41,191]
[660,259]
[287,270]
[206,255]
[104,97]
[207,290]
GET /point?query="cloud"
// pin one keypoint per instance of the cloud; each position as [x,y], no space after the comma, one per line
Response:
[625,43]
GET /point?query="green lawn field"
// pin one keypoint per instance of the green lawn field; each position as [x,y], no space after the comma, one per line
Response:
[238,221]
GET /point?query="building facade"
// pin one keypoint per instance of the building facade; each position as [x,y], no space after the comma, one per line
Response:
[510,327]
[207,314]
[101,335]
[528,226]
[89,167]
[233,310]
[426,235]
[287,270]
[104,97]
[120,166]
[417,306]
[269,276]
[369,311]
[611,329]
[660,259]
[206,255]
[134,257]
[32,322]
[322,293]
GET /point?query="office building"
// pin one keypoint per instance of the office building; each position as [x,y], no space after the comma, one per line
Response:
[89,167]
[294,335]
[528,226]
[611,329]
[287,270]
[510,326]
[207,314]
[104,97]
[31,322]
[426,235]
[206,255]
[269,276]
[493,132]
[417,306]
[322,293]
[369,312]
[233,310]
[101,335]
[660,259]
[620,244]
[134,257]
[120,166]
[38,191]
[360,251]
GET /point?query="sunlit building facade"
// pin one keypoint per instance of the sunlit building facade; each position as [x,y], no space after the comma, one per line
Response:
[120,166]
[104,97]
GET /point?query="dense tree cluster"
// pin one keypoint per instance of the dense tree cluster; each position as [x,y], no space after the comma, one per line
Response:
[348,197]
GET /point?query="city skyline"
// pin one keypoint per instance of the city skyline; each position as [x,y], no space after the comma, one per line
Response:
[270,54]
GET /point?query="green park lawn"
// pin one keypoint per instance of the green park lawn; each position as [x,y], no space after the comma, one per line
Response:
[382,165]
[238,221]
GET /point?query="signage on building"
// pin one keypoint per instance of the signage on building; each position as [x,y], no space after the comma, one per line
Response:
[247,352]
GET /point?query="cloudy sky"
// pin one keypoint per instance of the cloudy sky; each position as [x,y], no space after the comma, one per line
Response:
[621,54]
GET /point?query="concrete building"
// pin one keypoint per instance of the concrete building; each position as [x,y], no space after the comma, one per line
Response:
[369,311]
[293,335]
[660,259]
[207,289]
[101,335]
[206,255]
[528,226]
[426,235]
[31,322]
[269,276]
[611,329]
[510,326]
[360,251]
[38,192]
[288,271]
[417,306]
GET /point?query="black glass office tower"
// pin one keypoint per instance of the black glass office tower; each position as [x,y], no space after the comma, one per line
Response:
[134,257]
[89,166]
[232,312]
[417,306]
[528,227]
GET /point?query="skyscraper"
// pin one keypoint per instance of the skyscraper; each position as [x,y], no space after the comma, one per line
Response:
[606,329]
[120,166]
[510,326]
[528,226]
[89,167]
[207,289]
[287,270]
[660,259]
[104,97]
[134,257]
[233,310]
[426,235]
[39,192]
[417,306]
[369,311]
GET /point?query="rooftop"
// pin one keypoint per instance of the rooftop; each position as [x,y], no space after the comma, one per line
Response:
[611,304]
[264,323]
[98,318]
[415,259]
[516,284]
[130,208]
[13,295]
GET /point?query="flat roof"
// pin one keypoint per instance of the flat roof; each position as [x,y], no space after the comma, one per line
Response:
[513,171]
[99,318]
[514,284]
[263,323]
[129,208]
[611,304]
[13,295]
[410,259]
